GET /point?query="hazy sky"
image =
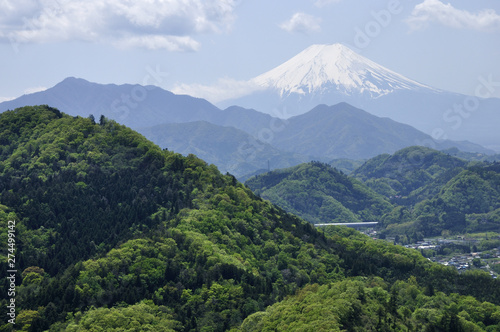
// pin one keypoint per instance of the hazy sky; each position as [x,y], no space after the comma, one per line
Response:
[173,43]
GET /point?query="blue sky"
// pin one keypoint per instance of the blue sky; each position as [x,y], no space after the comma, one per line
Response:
[192,45]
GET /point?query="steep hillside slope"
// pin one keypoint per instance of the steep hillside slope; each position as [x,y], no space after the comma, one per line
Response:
[79,188]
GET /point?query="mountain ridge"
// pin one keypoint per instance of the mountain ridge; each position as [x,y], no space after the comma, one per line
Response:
[319,193]
[133,105]
[344,131]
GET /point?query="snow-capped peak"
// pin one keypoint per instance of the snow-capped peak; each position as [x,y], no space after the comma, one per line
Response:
[323,68]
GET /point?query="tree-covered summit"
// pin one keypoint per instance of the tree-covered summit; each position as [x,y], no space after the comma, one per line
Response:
[79,187]
[415,172]
[319,193]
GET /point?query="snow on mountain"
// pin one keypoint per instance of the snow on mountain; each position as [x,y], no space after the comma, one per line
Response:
[321,69]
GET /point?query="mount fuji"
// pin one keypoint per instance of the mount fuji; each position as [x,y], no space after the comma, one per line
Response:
[324,69]
[330,74]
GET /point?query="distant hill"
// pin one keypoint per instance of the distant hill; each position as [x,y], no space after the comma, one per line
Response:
[415,192]
[135,106]
[230,149]
[249,120]
[471,156]
[320,194]
[434,191]
[470,202]
[344,131]
[411,174]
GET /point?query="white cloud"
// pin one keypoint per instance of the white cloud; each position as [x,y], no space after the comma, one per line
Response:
[224,89]
[301,22]
[153,24]
[445,14]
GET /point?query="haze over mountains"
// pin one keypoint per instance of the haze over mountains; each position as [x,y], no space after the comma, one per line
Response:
[231,149]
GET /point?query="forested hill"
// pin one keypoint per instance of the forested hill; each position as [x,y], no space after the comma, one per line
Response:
[80,187]
[114,234]
[433,192]
[319,193]
[415,172]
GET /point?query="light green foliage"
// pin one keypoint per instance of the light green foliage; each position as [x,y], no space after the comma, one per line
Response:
[369,305]
[473,191]
[144,316]
[25,318]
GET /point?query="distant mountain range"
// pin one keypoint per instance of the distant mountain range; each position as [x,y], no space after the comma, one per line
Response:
[237,140]
[343,131]
[132,105]
[329,74]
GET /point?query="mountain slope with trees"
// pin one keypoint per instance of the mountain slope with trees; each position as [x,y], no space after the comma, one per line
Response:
[371,305]
[434,191]
[411,174]
[469,202]
[320,194]
[413,193]
[114,233]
